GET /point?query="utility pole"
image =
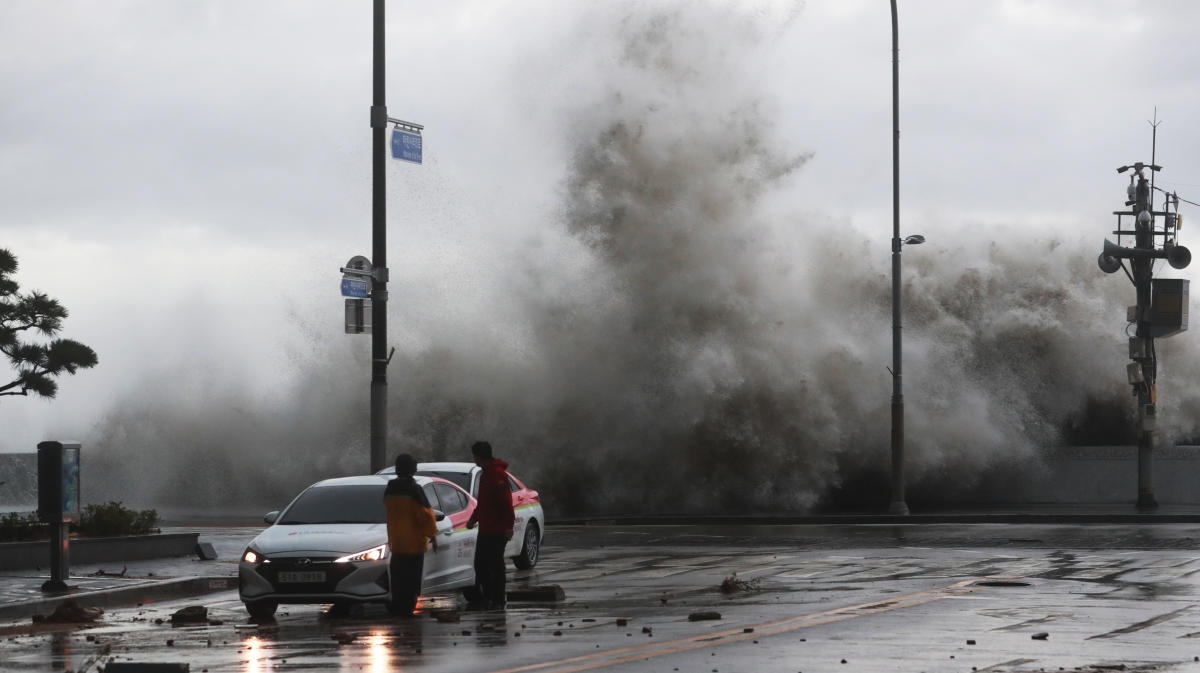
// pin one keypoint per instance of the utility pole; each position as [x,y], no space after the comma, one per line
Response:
[379,359]
[1161,309]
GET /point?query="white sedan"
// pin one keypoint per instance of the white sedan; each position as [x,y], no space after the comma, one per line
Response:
[530,527]
[330,546]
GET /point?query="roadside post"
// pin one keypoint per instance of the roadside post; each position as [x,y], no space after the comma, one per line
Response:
[58,504]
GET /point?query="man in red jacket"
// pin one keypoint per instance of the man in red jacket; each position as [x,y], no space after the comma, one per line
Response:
[494,514]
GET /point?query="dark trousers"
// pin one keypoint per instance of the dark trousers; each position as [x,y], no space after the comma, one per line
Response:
[405,579]
[489,566]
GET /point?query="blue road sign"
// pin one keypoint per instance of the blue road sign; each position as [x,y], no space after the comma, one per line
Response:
[354,287]
[406,146]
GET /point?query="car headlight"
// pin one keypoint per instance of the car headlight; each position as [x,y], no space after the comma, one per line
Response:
[372,554]
[251,556]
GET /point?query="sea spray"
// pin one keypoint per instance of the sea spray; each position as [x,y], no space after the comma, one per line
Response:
[669,341]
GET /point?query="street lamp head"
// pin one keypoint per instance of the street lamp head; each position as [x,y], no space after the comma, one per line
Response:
[915,239]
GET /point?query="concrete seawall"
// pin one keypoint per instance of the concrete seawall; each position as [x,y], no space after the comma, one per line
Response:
[1107,475]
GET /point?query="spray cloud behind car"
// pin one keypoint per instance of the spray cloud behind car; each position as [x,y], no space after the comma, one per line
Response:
[677,334]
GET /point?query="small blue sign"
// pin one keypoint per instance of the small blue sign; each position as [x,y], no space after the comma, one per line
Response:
[406,146]
[354,287]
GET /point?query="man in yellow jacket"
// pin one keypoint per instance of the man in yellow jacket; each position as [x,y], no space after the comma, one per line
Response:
[411,527]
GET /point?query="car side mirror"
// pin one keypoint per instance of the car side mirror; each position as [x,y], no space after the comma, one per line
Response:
[271,517]
[438,515]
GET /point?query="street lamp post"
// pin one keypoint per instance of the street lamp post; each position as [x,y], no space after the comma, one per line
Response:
[898,504]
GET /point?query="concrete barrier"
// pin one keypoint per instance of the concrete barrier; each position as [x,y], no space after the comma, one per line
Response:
[139,593]
[85,550]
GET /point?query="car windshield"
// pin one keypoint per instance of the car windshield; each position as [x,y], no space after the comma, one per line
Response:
[462,479]
[358,503]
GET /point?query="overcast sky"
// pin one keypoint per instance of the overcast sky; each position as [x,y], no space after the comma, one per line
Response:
[186,177]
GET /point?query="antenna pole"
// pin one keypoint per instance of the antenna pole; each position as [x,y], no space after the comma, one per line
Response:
[1153,153]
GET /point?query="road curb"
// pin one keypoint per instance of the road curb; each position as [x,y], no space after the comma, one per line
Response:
[150,591]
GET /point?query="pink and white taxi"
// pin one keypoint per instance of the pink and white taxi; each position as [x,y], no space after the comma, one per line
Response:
[530,528]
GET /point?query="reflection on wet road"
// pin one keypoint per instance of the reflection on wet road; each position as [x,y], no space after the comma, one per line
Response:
[799,600]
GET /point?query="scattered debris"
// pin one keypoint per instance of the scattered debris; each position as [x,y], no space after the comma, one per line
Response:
[1001,583]
[192,614]
[1041,635]
[621,621]
[104,573]
[548,592]
[748,629]
[703,616]
[558,633]
[646,629]
[70,612]
[345,638]
[733,585]
[970,642]
[447,616]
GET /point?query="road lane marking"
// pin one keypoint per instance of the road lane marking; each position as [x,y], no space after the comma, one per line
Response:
[1144,624]
[642,652]
[1006,665]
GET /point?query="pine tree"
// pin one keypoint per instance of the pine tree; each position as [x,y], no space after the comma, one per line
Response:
[25,314]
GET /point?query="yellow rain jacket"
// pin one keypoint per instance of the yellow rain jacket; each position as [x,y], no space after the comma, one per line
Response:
[410,522]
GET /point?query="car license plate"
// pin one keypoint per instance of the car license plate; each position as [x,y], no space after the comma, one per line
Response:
[307,577]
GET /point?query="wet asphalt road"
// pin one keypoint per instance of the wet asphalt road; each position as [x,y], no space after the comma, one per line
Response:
[805,598]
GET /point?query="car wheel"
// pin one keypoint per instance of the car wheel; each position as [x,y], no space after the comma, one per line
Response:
[528,557]
[263,609]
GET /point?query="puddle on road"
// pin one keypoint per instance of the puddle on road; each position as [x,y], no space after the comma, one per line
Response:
[303,637]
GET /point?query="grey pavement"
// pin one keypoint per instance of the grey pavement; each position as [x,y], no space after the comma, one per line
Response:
[142,581]
[812,598]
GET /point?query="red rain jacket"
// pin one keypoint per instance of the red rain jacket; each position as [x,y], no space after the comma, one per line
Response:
[494,511]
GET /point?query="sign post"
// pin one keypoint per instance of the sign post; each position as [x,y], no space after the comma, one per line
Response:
[58,504]
[407,146]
